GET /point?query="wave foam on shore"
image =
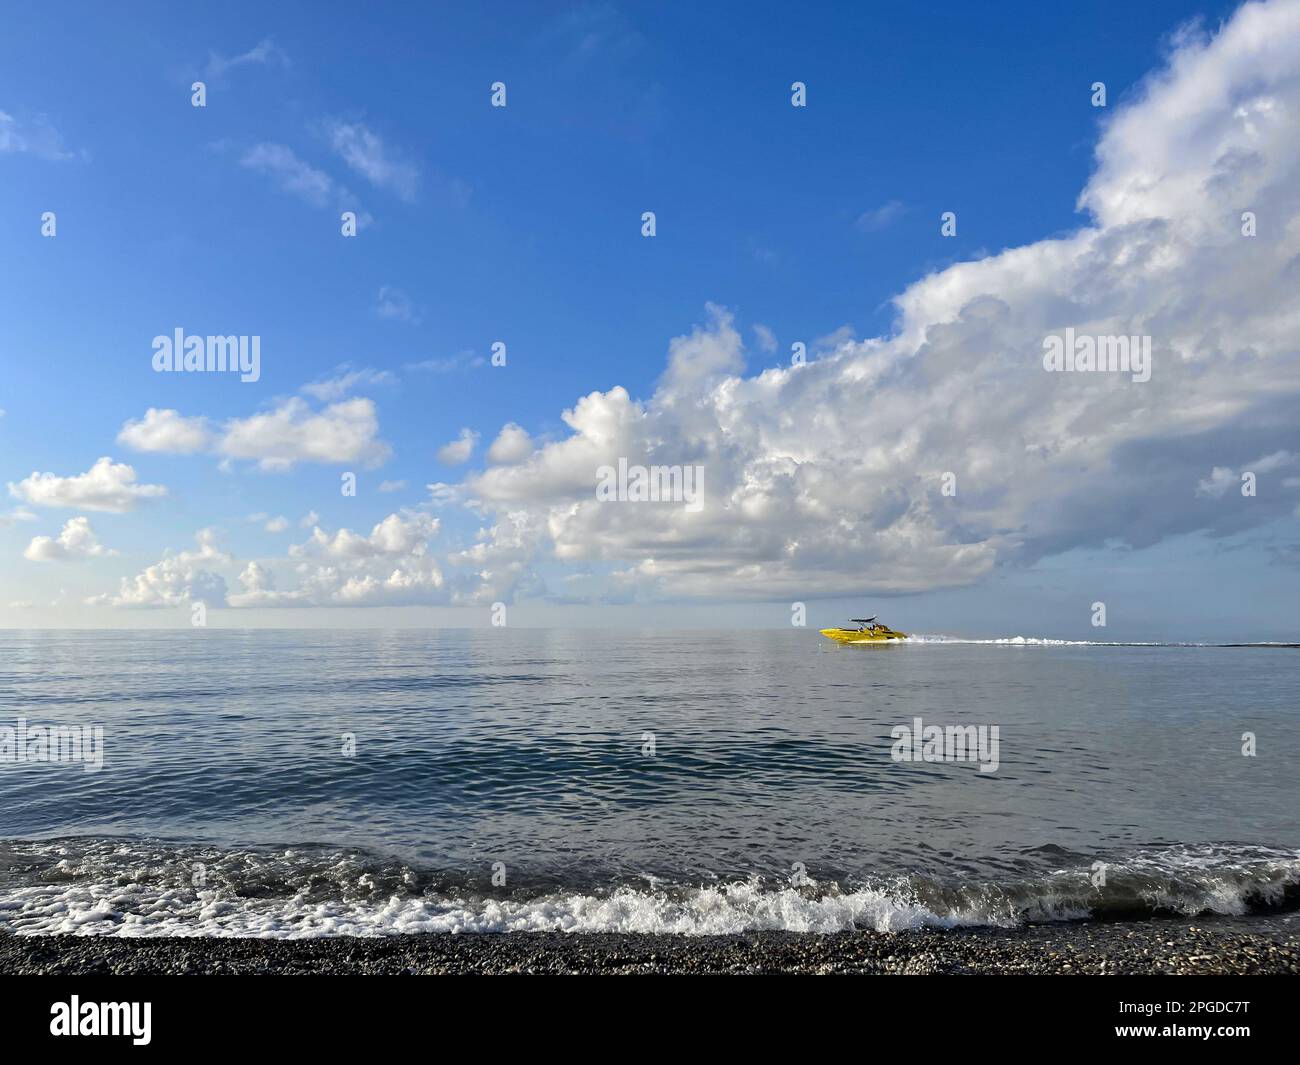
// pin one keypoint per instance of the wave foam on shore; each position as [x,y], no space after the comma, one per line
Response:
[132,889]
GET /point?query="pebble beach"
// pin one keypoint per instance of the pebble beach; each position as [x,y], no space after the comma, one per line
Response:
[1249,946]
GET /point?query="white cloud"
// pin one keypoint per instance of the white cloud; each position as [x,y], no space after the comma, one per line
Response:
[396,306]
[409,585]
[291,173]
[881,217]
[365,152]
[513,444]
[16,515]
[1222,477]
[293,433]
[464,360]
[389,567]
[277,525]
[299,178]
[107,485]
[347,380]
[265,52]
[77,540]
[604,425]
[826,479]
[391,486]
[703,358]
[1271,462]
[766,338]
[459,450]
[166,431]
[308,520]
[587,33]
[259,590]
[279,439]
[35,137]
[394,535]
[499,566]
[177,580]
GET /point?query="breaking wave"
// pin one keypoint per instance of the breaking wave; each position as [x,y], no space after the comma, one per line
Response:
[120,888]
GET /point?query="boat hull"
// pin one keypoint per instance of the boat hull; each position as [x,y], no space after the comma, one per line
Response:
[855,636]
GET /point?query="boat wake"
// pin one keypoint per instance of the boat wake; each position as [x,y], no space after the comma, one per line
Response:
[1047,641]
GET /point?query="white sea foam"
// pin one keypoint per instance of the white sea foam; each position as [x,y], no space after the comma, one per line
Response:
[1033,641]
[315,896]
[101,909]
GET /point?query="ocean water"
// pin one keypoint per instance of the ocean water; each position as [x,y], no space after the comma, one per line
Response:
[306,783]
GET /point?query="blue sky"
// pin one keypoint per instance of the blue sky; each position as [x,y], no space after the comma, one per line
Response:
[522,225]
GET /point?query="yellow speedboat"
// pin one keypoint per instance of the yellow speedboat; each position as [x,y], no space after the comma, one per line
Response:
[868,631]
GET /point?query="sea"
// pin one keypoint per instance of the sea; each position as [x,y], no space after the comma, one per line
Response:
[304,783]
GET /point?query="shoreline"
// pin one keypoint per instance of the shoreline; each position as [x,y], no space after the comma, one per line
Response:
[1218,946]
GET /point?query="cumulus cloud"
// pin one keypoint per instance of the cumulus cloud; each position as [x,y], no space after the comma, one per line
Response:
[392,566]
[259,590]
[395,535]
[166,431]
[177,580]
[279,439]
[459,450]
[513,444]
[293,433]
[277,525]
[501,565]
[107,486]
[826,479]
[77,540]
